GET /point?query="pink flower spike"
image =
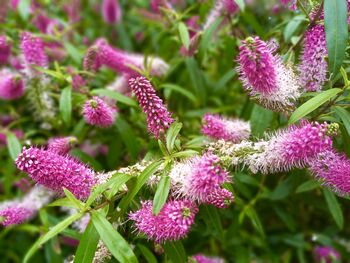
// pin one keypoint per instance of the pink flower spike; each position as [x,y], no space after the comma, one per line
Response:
[5,49]
[56,171]
[11,85]
[220,198]
[324,254]
[158,117]
[217,127]
[15,215]
[96,112]
[111,11]
[200,258]
[62,145]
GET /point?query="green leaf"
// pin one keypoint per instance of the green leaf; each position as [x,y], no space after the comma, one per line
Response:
[212,219]
[180,90]
[73,52]
[336,27]
[128,136]
[240,4]
[66,105]
[334,208]
[175,251]
[87,245]
[63,202]
[207,36]
[254,218]
[344,115]
[147,254]
[260,119]
[307,186]
[313,104]
[24,8]
[292,27]
[161,194]
[13,145]
[171,135]
[52,232]
[116,96]
[196,78]
[184,154]
[140,181]
[77,204]
[184,35]
[115,243]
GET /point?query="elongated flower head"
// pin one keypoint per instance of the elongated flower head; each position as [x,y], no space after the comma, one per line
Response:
[221,198]
[56,171]
[172,223]
[33,51]
[15,214]
[200,258]
[97,112]
[324,254]
[218,127]
[11,85]
[61,145]
[111,11]
[333,170]
[313,66]
[230,6]
[158,117]
[5,49]
[257,66]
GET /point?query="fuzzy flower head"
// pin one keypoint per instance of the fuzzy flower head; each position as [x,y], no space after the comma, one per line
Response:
[292,4]
[333,170]
[172,223]
[5,49]
[200,258]
[325,254]
[33,52]
[96,112]
[158,117]
[56,171]
[15,214]
[218,127]
[11,85]
[61,145]
[221,198]
[111,11]
[313,66]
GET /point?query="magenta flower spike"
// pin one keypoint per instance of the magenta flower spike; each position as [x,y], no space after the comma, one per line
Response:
[157,4]
[324,254]
[56,171]
[172,223]
[158,117]
[111,11]
[313,66]
[217,127]
[221,198]
[33,53]
[98,113]
[200,258]
[61,145]
[15,214]
[5,49]
[11,85]
[292,4]
[333,170]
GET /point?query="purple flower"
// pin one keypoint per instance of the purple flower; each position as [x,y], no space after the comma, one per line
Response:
[5,49]
[313,66]
[325,254]
[56,171]
[18,211]
[102,54]
[172,223]
[230,6]
[221,198]
[291,3]
[33,52]
[11,85]
[158,117]
[333,170]
[157,4]
[96,112]
[61,145]
[198,177]
[111,11]
[221,7]
[218,127]
[200,258]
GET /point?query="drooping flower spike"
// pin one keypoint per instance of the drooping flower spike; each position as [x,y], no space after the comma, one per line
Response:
[18,211]
[62,145]
[158,117]
[172,223]
[98,113]
[111,11]
[267,79]
[56,171]
[11,85]
[217,127]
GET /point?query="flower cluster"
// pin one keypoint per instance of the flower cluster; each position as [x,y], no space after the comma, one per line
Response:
[172,223]
[158,117]
[5,49]
[217,127]
[61,145]
[324,254]
[200,258]
[111,11]
[11,85]
[220,7]
[99,113]
[56,171]
[266,77]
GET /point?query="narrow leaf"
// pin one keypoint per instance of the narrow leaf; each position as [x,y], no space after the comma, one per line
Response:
[13,145]
[66,105]
[171,135]
[175,251]
[344,116]
[77,203]
[307,186]
[334,208]
[180,90]
[73,52]
[161,194]
[147,254]
[87,245]
[116,96]
[184,35]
